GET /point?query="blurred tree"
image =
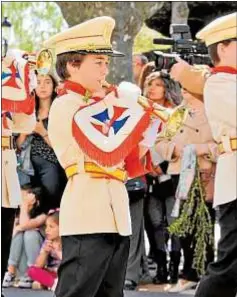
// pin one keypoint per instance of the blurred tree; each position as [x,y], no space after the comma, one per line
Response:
[200,13]
[179,12]
[32,22]
[143,41]
[129,17]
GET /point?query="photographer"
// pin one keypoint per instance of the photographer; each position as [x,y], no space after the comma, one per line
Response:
[219,88]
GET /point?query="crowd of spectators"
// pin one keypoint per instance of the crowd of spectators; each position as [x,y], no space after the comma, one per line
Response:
[152,198]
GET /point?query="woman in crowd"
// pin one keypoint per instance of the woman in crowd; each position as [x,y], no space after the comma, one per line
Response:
[44,272]
[48,173]
[159,88]
[27,238]
[189,126]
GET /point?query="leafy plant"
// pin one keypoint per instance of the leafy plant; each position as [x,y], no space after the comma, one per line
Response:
[195,220]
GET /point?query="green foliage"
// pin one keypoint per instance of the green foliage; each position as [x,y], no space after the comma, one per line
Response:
[32,23]
[143,42]
[195,220]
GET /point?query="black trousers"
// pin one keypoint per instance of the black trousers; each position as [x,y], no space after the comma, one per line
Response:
[221,278]
[7,220]
[93,265]
[160,217]
[148,226]
[51,177]
[137,242]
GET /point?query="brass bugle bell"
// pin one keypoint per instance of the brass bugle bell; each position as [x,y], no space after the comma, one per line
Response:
[156,109]
[44,62]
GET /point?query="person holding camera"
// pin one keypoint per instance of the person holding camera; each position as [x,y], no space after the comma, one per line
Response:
[219,88]
[188,126]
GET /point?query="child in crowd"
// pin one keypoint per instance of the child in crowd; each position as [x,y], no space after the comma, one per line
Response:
[44,272]
[27,237]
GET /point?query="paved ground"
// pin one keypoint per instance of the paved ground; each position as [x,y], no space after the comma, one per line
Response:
[30,293]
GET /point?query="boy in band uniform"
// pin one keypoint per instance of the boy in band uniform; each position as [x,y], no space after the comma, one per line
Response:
[219,87]
[97,141]
[17,116]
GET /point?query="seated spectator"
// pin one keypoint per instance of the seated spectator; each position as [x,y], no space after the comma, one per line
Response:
[27,238]
[44,272]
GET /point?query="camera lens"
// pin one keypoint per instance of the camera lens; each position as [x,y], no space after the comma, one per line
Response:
[164,61]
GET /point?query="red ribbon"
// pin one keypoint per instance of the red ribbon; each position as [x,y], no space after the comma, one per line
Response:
[79,89]
[225,69]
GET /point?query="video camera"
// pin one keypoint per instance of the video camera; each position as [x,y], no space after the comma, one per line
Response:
[193,52]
